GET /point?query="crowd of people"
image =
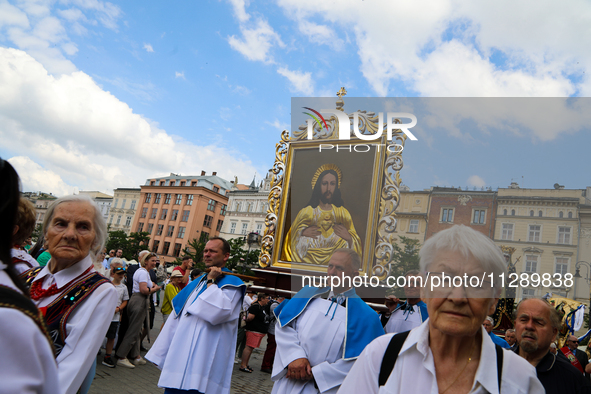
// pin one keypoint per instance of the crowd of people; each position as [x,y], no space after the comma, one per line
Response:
[54,318]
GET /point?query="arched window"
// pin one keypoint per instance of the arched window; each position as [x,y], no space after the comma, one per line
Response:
[540,213]
[512,212]
[504,211]
[570,215]
[531,213]
[560,214]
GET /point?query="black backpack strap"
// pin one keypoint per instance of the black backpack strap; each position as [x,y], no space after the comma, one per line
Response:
[499,365]
[391,355]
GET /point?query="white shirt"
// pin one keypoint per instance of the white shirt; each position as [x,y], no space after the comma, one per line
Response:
[414,371]
[23,255]
[86,326]
[401,320]
[28,364]
[246,302]
[141,275]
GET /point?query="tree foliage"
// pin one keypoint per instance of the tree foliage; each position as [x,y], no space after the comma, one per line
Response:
[405,256]
[130,245]
[240,261]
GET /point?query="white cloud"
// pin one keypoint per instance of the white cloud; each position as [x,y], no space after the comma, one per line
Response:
[301,82]
[179,74]
[12,16]
[36,178]
[476,181]
[87,137]
[239,7]
[148,48]
[279,125]
[256,42]
[320,34]
[243,90]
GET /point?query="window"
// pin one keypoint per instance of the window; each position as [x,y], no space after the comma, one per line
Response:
[124,202]
[161,183]
[154,213]
[233,228]
[165,248]
[216,189]
[111,219]
[148,197]
[207,221]
[238,207]
[170,231]
[219,226]
[183,183]
[140,227]
[132,207]
[528,293]
[570,215]
[181,233]
[152,183]
[223,210]
[157,199]
[259,228]
[150,228]
[118,220]
[211,205]
[478,217]
[189,199]
[447,215]
[534,233]
[167,199]
[128,221]
[116,201]
[160,228]
[177,250]
[175,215]
[179,198]
[144,212]
[194,183]
[531,263]
[531,213]
[185,217]
[512,212]
[155,246]
[560,214]
[507,231]
[414,226]
[540,213]
[561,266]
[164,213]
[504,211]
[244,228]
[564,235]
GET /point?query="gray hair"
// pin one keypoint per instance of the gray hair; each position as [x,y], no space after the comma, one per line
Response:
[555,318]
[553,345]
[470,244]
[509,330]
[353,257]
[491,320]
[142,253]
[116,260]
[99,223]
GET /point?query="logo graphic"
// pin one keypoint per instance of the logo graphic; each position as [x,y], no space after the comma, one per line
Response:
[315,118]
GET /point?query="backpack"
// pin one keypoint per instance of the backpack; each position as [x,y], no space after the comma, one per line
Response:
[395,345]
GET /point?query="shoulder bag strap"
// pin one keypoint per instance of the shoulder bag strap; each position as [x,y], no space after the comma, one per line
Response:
[499,365]
[391,355]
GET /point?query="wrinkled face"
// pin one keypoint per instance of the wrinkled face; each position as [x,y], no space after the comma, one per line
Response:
[413,288]
[487,326]
[213,256]
[328,184]
[533,328]
[510,338]
[451,312]
[340,265]
[71,233]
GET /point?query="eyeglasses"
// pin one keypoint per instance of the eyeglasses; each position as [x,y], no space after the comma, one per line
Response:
[443,283]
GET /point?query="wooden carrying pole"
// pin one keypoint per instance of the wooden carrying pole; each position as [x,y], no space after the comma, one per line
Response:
[241,276]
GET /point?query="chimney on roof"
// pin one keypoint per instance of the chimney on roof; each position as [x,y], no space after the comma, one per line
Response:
[214,173]
[202,173]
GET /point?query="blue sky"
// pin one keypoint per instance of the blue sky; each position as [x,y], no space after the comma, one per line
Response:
[97,95]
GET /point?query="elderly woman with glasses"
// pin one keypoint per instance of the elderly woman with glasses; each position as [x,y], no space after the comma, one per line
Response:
[450,352]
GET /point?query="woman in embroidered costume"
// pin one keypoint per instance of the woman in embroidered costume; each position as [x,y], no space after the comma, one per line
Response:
[26,348]
[76,301]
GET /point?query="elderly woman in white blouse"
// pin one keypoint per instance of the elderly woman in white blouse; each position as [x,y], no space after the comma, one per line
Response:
[450,352]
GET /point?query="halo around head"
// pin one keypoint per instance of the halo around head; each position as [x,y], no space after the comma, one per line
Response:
[326,167]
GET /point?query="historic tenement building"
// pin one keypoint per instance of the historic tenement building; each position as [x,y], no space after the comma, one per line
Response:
[125,202]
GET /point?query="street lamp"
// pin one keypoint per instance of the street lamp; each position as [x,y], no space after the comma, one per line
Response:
[577,274]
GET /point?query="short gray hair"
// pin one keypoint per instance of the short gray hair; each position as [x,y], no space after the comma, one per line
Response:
[99,223]
[353,257]
[491,320]
[469,243]
[509,330]
[555,318]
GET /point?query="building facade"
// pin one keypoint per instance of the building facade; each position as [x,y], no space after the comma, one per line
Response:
[411,214]
[247,210]
[103,201]
[125,203]
[41,201]
[177,209]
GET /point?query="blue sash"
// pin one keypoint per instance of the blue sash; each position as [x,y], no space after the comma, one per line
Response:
[363,323]
[179,301]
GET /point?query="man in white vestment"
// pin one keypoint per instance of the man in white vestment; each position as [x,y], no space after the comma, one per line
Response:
[319,337]
[411,313]
[195,349]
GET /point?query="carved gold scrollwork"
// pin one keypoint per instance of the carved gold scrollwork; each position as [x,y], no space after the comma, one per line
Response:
[278,171]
